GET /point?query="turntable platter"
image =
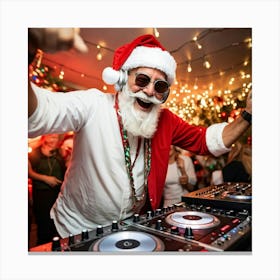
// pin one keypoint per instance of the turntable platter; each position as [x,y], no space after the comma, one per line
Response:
[192,219]
[128,241]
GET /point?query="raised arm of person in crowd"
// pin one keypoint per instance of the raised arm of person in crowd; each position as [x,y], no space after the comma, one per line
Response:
[51,40]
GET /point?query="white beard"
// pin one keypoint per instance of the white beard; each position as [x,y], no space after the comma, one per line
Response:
[137,122]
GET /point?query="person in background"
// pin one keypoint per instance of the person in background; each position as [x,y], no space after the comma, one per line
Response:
[238,167]
[180,178]
[66,148]
[122,140]
[46,168]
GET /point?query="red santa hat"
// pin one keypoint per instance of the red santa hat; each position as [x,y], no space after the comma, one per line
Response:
[144,51]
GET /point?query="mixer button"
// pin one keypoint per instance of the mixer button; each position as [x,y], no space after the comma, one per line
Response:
[158,211]
[159,225]
[99,230]
[136,218]
[188,233]
[56,244]
[149,214]
[71,240]
[84,234]
[115,226]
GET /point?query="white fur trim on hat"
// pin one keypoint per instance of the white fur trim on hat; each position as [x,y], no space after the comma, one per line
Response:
[152,57]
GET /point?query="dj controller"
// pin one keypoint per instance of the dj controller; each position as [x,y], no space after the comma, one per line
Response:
[213,219]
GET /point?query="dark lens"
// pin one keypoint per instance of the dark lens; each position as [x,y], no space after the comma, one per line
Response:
[142,80]
[161,86]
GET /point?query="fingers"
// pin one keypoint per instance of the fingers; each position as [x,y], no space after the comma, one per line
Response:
[56,39]
[79,44]
[69,37]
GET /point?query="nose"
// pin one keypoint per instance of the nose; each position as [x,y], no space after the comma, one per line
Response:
[149,89]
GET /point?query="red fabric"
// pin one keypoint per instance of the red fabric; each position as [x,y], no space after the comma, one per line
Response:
[172,130]
[123,52]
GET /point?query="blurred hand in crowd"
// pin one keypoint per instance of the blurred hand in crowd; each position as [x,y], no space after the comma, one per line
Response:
[55,39]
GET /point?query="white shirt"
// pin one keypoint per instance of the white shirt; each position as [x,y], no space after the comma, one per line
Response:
[111,197]
[173,190]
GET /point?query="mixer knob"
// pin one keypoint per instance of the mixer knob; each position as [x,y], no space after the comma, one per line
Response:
[158,211]
[174,230]
[99,230]
[84,234]
[199,207]
[71,240]
[149,214]
[159,225]
[56,244]
[208,209]
[188,233]
[164,210]
[115,226]
[136,218]
[170,207]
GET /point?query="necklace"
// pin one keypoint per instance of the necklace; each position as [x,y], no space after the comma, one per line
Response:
[127,157]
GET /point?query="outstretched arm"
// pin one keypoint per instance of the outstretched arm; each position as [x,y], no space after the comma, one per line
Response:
[235,129]
[51,40]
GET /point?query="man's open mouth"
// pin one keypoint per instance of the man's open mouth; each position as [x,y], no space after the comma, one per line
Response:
[143,104]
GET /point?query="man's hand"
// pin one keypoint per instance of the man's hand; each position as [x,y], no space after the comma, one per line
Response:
[55,39]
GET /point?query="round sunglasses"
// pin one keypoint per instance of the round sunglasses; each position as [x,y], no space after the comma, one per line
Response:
[161,87]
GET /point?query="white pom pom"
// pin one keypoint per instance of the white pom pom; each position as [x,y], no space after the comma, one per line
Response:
[110,76]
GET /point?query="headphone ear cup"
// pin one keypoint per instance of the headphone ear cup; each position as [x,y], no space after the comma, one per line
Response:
[123,78]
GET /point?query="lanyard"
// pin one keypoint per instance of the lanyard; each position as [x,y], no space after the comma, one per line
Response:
[127,157]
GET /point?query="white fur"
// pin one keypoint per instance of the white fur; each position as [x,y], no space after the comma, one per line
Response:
[143,56]
[137,122]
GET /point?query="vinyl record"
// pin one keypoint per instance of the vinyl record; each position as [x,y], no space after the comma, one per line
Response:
[128,241]
[193,219]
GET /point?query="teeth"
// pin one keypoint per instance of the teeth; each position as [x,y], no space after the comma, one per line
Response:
[145,101]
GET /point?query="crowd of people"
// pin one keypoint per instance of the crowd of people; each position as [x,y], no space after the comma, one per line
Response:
[47,164]
[121,153]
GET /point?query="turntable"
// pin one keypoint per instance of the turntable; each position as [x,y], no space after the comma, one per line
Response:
[177,228]
[128,241]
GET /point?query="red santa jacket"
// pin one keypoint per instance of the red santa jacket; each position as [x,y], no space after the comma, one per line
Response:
[172,130]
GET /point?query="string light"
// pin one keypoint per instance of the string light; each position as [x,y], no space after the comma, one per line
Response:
[206,63]
[187,101]
[61,75]
[99,54]
[189,68]
[196,42]
[195,39]
[39,57]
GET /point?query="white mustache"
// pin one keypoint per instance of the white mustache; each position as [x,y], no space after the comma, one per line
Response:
[141,95]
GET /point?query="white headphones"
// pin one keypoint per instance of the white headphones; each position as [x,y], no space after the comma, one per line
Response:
[114,77]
